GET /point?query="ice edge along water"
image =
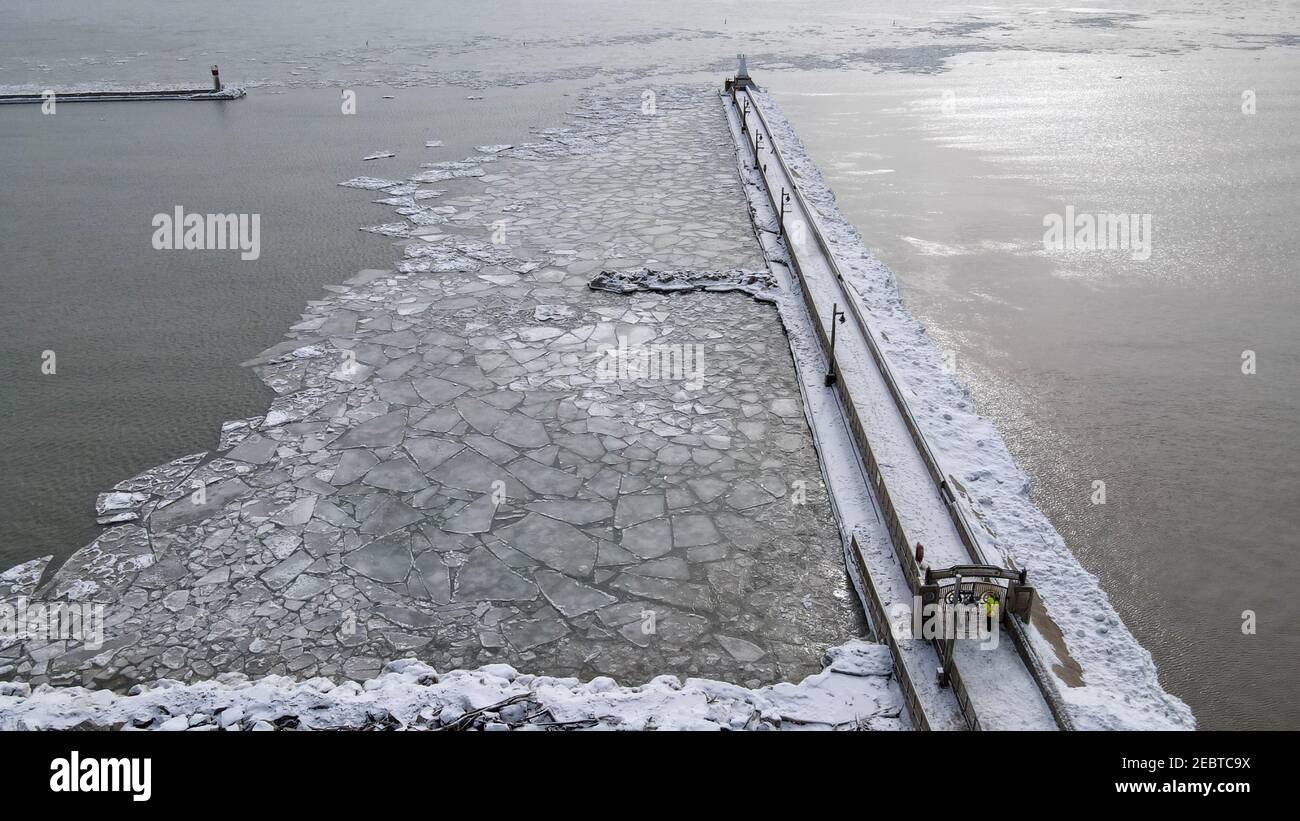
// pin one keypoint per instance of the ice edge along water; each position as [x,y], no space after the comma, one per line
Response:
[1120,686]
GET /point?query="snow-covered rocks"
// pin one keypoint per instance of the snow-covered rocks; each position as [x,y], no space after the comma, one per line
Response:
[855,691]
[759,284]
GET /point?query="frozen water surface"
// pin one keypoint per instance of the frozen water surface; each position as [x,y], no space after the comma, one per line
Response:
[477,457]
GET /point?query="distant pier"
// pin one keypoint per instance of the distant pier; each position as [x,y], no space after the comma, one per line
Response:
[218,91]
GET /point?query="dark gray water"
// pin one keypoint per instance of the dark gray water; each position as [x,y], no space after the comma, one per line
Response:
[1093,366]
[148,342]
[1096,366]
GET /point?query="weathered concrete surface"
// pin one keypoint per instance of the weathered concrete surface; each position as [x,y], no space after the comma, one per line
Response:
[464,464]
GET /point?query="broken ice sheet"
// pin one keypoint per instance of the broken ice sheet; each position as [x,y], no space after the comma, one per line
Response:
[119,506]
[390,229]
[425,216]
[369,183]
[442,174]
[408,195]
[236,431]
[378,155]
[375,484]
[542,313]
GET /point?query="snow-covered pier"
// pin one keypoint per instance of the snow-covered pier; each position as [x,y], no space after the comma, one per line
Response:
[218,91]
[905,456]
[992,685]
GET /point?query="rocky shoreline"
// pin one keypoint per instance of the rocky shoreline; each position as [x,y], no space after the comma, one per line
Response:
[855,691]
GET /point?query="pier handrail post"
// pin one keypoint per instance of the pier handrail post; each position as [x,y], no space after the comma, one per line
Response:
[836,313]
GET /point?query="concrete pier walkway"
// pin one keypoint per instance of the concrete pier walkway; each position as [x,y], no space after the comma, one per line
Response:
[996,688]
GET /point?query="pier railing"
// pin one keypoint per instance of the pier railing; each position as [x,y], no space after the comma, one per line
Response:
[966,531]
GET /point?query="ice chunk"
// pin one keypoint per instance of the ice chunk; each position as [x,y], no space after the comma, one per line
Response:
[369,183]
[389,229]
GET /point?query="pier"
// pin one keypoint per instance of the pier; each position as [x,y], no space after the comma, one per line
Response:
[218,91]
[946,682]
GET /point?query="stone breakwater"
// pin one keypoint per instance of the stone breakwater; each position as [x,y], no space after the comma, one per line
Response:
[855,691]
[451,469]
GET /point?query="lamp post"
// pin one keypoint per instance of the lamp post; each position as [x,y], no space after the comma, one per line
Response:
[831,376]
[785,197]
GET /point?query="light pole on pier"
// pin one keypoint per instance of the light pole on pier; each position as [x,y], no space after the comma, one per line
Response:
[836,313]
[785,197]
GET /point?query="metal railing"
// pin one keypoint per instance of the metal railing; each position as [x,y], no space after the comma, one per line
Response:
[965,531]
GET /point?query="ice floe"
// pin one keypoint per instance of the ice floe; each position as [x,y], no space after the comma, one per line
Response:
[447,473]
[369,183]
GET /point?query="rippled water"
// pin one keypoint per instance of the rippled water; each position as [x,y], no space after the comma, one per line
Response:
[148,343]
[1096,366]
